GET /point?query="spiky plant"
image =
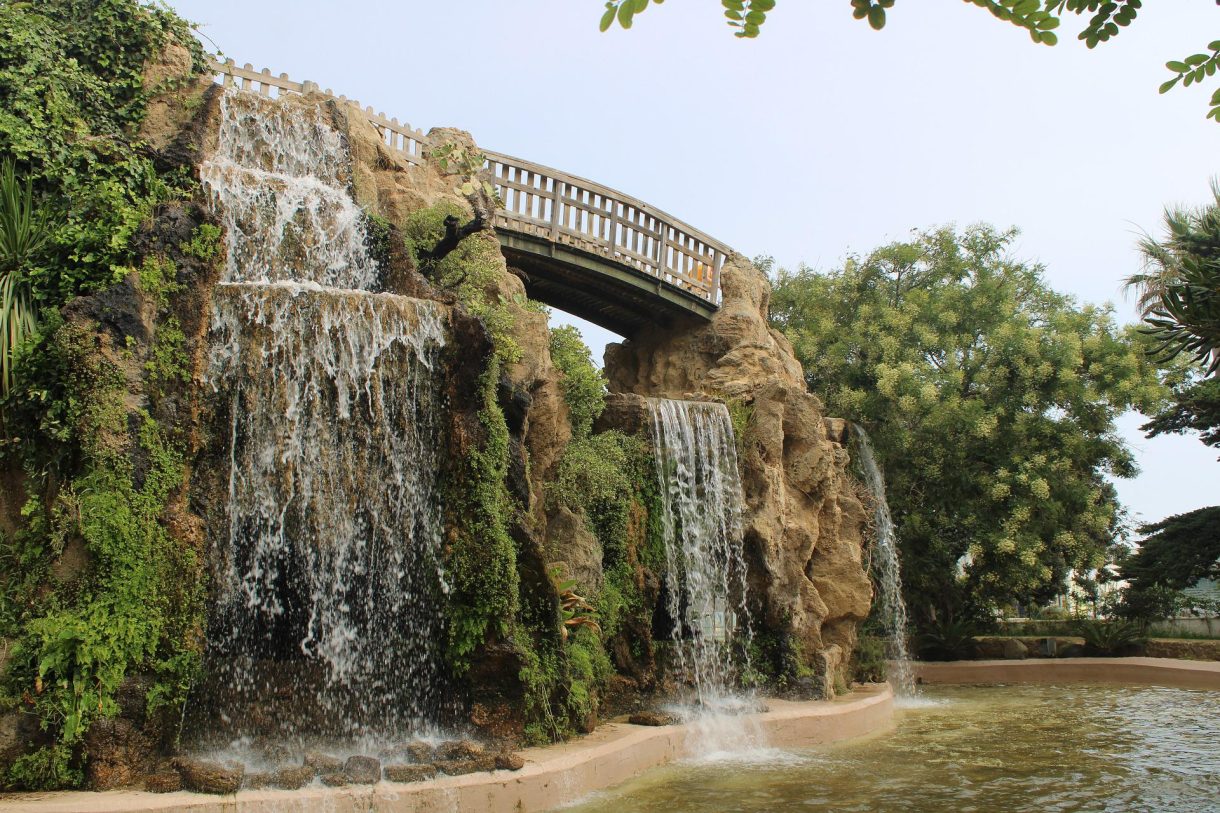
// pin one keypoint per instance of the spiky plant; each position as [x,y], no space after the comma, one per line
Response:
[1179,289]
[23,234]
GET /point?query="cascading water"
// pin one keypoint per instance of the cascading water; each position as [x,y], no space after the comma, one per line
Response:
[701,500]
[329,582]
[888,571]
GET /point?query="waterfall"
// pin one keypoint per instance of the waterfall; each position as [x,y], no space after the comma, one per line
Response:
[701,497]
[327,567]
[888,571]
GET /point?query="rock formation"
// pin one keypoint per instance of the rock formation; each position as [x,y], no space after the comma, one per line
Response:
[804,525]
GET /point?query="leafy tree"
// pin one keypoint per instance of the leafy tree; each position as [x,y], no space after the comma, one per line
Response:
[1040,18]
[1175,553]
[990,400]
[1195,407]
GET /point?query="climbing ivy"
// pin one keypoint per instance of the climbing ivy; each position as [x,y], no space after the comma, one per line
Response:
[101,475]
[470,271]
[72,98]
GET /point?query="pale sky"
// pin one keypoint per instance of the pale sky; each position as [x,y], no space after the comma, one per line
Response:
[819,138]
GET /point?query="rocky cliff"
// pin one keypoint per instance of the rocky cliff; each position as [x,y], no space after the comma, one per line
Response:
[805,525]
[529,539]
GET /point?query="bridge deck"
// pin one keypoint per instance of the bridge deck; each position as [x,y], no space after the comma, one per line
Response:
[582,247]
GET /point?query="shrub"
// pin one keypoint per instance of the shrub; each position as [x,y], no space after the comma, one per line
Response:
[1111,638]
[951,640]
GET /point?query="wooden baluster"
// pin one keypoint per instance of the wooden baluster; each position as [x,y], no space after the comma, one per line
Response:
[556,202]
[612,235]
[662,228]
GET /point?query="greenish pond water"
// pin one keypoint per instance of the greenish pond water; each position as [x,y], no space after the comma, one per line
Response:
[992,750]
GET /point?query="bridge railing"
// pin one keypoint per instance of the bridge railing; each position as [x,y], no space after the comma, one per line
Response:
[565,209]
[547,203]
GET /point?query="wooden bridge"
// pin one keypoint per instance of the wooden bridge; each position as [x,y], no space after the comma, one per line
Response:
[582,247]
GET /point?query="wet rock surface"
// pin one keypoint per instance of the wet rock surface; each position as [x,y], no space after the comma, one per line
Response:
[509,761]
[322,763]
[362,770]
[409,773]
[652,718]
[282,779]
[203,776]
[458,767]
[163,782]
[460,749]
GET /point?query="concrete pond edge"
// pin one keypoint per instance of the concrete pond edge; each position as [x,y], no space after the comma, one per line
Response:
[1171,672]
[553,775]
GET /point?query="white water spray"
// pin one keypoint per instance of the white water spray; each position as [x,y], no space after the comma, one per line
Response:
[328,565]
[888,572]
[701,500]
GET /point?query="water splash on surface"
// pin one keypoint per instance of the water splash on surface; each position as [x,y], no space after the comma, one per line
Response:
[888,572]
[326,621]
[705,592]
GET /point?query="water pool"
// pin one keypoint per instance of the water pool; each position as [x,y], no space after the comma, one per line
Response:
[996,749]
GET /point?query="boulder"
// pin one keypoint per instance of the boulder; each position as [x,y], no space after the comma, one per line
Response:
[417,751]
[334,779]
[460,749]
[362,770]
[1014,650]
[322,763]
[409,773]
[804,525]
[203,776]
[652,718]
[458,767]
[283,779]
[509,761]
[163,782]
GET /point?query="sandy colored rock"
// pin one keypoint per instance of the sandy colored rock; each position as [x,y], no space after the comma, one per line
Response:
[336,779]
[409,773]
[804,523]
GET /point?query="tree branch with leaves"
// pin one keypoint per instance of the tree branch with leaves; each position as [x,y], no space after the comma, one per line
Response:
[1040,18]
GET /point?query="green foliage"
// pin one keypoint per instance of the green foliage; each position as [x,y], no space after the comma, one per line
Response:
[868,663]
[1180,288]
[24,231]
[1175,553]
[990,400]
[470,270]
[584,385]
[1195,407]
[1192,70]
[467,165]
[71,102]
[947,640]
[138,604]
[589,668]
[1110,638]
[481,561]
